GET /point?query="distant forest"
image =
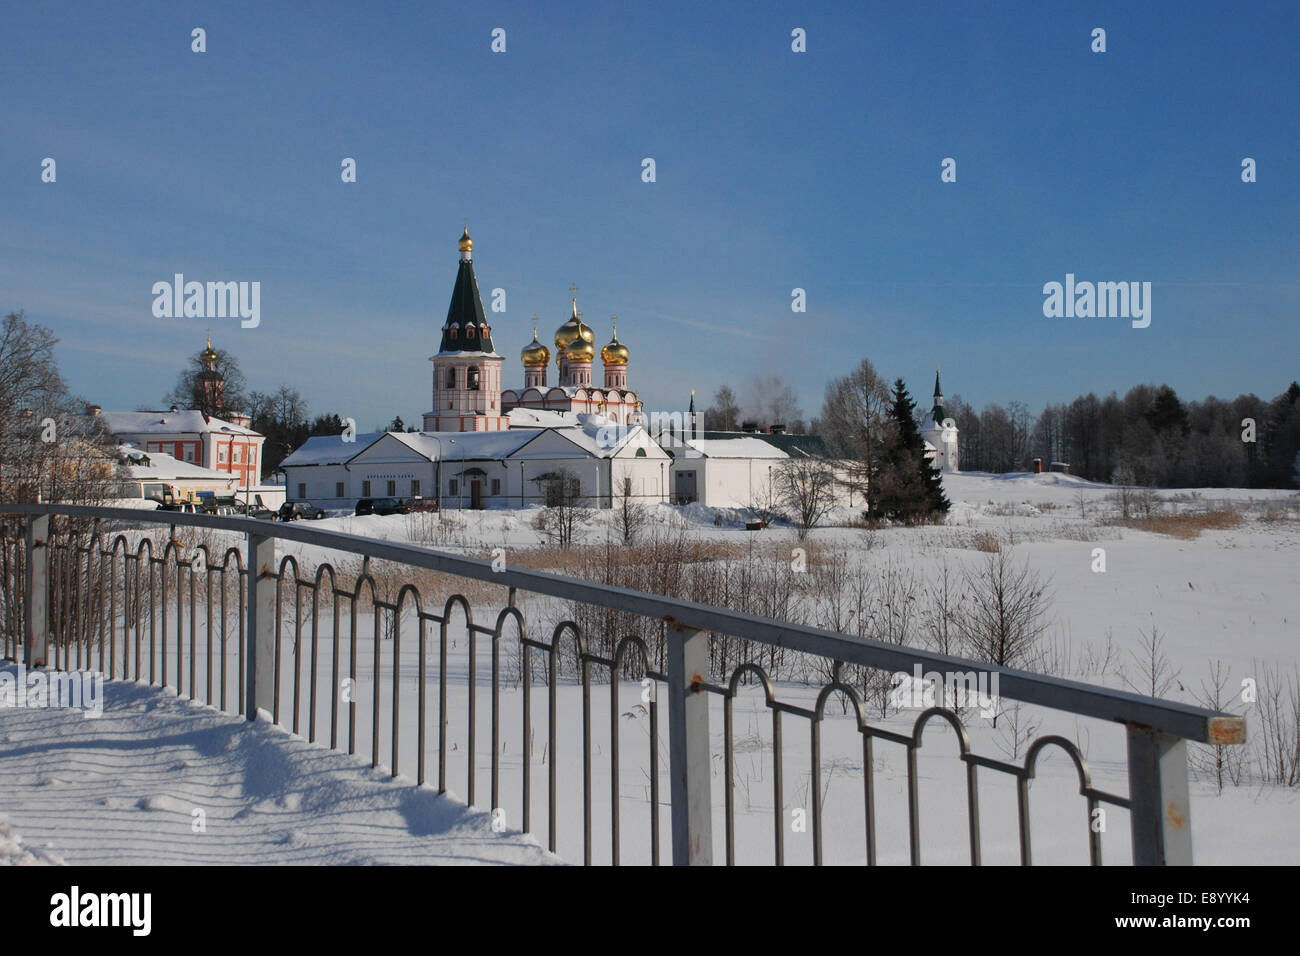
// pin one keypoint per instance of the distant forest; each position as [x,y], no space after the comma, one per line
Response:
[1149,437]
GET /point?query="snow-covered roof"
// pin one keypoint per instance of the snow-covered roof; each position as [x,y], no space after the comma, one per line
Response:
[190,421]
[735,448]
[156,466]
[330,449]
[540,418]
[455,446]
[603,440]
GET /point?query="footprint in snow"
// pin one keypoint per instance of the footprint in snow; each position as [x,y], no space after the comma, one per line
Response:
[165,803]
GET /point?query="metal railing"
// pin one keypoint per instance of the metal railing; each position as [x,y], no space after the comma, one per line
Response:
[87,597]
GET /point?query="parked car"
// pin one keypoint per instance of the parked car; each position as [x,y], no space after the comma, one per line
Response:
[257,511]
[293,510]
[382,506]
[214,505]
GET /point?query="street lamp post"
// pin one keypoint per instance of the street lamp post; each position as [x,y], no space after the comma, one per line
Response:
[437,474]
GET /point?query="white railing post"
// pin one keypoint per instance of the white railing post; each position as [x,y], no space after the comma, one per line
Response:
[259,679]
[690,763]
[1159,808]
[36,592]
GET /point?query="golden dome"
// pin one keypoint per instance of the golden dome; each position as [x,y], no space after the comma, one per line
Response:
[615,353]
[572,331]
[580,350]
[535,354]
[466,243]
[209,355]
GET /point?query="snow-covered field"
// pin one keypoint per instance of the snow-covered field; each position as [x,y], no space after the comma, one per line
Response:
[1225,595]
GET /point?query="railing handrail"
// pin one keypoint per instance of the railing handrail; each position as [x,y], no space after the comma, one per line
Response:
[1169,717]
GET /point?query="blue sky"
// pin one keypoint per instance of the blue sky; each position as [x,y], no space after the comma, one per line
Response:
[775,170]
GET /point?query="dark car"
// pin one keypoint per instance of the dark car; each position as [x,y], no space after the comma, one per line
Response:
[382,506]
[257,511]
[293,510]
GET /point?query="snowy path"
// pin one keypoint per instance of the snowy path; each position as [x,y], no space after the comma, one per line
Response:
[123,789]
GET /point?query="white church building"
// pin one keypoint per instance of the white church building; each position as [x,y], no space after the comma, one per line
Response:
[484,446]
[940,433]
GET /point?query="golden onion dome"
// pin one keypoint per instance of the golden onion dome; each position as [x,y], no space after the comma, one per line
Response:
[580,350]
[466,243]
[572,331]
[209,355]
[615,353]
[535,354]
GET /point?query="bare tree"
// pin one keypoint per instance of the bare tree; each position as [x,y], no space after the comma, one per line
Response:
[854,418]
[566,513]
[805,487]
[50,449]
[765,502]
[189,391]
[630,515]
[944,598]
[1279,726]
[1219,760]
[724,414]
[1155,673]
[1006,612]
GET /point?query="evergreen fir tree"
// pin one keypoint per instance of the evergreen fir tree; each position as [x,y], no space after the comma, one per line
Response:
[911,487]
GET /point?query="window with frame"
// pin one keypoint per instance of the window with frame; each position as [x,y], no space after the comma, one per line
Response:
[365,489]
[496,486]
[392,488]
[453,487]
[221,455]
[451,379]
[415,487]
[338,489]
[472,379]
[302,490]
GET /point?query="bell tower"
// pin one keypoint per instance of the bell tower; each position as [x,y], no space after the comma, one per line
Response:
[467,368]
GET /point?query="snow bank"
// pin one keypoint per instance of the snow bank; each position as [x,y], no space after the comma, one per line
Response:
[157,780]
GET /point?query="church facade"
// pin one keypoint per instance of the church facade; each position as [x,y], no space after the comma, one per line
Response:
[940,432]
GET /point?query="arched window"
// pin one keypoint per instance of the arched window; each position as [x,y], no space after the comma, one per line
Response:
[472,377]
[469,331]
[640,453]
[455,329]
[451,378]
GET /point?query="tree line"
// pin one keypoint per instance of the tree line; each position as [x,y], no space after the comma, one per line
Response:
[1150,437]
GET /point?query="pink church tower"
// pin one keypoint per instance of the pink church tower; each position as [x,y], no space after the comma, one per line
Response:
[467,368]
